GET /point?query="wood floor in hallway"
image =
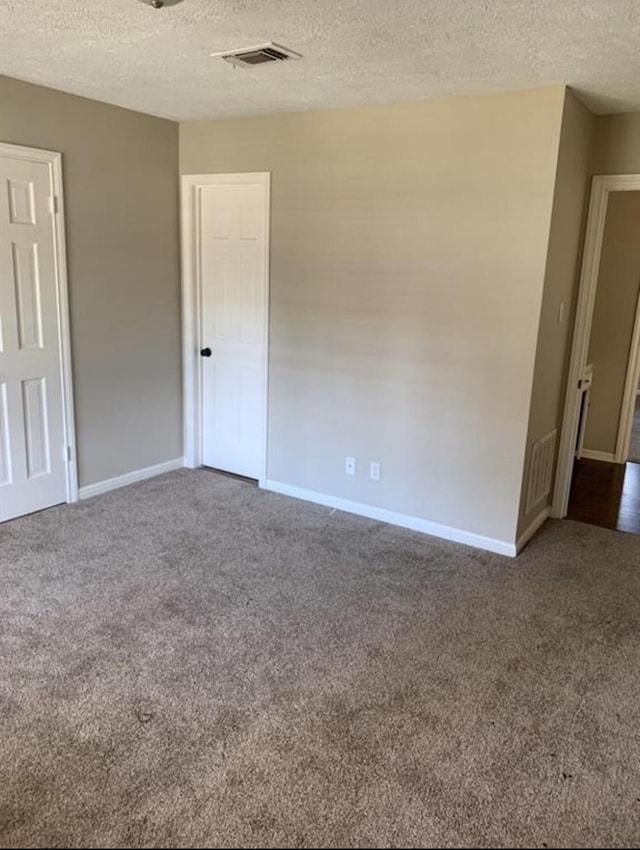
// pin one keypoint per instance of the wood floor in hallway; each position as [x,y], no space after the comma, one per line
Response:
[606,494]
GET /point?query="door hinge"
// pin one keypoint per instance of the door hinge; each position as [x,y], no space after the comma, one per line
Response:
[53,204]
[67,454]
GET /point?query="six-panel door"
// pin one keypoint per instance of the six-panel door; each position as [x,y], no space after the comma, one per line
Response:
[233,289]
[32,441]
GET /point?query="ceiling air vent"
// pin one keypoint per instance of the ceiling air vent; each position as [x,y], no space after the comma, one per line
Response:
[247,57]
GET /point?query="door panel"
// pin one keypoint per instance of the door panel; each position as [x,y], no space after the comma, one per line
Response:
[5,444]
[26,277]
[32,435]
[231,246]
[21,201]
[36,431]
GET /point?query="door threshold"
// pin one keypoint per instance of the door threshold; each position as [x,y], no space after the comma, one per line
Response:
[246,479]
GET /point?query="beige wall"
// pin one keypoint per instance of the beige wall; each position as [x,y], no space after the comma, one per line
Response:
[408,251]
[616,145]
[120,183]
[561,283]
[613,319]
[408,258]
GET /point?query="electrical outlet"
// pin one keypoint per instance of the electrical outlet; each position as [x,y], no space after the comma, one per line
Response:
[350,465]
[374,470]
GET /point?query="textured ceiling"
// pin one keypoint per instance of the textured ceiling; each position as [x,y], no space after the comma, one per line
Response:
[355,51]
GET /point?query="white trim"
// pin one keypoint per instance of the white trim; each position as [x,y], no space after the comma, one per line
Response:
[191,309]
[490,544]
[191,430]
[602,185]
[54,160]
[592,454]
[130,478]
[629,397]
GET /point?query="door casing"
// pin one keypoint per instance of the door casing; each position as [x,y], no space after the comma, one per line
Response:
[192,308]
[54,160]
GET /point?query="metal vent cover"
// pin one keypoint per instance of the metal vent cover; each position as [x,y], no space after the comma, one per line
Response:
[262,54]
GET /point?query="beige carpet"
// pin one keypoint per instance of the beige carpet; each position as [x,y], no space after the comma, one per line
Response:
[193,662]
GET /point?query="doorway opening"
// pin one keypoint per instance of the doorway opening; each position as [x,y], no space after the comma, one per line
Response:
[599,472]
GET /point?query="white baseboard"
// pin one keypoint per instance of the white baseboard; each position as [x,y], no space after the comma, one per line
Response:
[538,522]
[130,478]
[490,544]
[591,454]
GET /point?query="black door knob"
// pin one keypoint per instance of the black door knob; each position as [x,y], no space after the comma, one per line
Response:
[205,352]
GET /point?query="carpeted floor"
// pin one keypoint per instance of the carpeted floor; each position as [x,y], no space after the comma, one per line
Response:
[193,662]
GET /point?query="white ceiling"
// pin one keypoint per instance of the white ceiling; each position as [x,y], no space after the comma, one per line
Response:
[355,51]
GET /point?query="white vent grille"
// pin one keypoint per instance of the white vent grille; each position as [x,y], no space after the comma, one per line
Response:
[540,470]
[262,54]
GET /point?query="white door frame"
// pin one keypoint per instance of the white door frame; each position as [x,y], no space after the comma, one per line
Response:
[54,160]
[601,187]
[192,308]
[630,395]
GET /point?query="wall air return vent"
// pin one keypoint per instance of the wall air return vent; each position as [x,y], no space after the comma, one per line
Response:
[247,57]
[541,470]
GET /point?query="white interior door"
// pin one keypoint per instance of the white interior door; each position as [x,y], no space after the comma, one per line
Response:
[232,240]
[33,461]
